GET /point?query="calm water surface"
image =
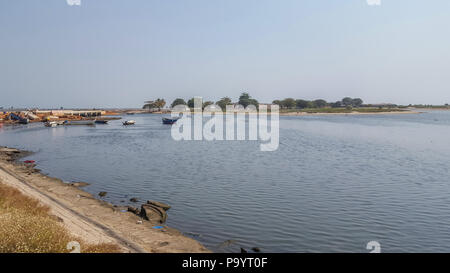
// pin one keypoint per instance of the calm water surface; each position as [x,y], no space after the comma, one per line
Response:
[334,184]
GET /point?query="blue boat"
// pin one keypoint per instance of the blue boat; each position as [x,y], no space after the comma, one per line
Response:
[169,120]
[18,118]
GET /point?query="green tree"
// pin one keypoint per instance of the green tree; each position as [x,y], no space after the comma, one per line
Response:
[320,103]
[190,103]
[178,101]
[357,102]
[288,103]
[301,104]
[223,102]
[347,101]
[254,102]
[206,103]
[245,100]
[311,104]
[336,104]
[160,103]
[149,105]
[277,102]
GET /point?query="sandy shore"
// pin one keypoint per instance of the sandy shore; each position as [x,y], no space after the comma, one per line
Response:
[86,217]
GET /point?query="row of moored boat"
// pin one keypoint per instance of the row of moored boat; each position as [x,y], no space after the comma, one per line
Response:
[93,122]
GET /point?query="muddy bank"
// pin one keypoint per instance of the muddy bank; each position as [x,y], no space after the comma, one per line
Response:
[93,220]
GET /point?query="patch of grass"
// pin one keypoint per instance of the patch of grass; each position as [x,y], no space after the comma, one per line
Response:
[11,198]
[27,227]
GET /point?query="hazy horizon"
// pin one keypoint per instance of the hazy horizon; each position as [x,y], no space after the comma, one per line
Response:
[121,53]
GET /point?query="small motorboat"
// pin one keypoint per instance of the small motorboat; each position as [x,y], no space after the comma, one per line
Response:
[29,161]
[51,124]
[101,121]
[129,122]
[169,120]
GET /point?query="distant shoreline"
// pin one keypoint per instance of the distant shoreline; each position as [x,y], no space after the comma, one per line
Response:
[282,112]
[353,113]
[312,113]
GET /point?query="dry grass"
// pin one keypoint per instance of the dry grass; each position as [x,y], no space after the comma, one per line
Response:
[27,227]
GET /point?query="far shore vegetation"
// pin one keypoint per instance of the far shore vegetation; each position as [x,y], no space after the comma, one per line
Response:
[429,106]
[289,105]
[28,227]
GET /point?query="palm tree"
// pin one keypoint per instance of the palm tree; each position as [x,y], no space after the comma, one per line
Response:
[160,103]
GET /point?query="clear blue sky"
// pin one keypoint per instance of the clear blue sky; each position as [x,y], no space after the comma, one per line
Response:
[119,53]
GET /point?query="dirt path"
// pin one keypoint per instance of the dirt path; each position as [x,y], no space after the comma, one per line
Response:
[89,218]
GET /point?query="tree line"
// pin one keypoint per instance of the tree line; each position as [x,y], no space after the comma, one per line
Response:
[290,103]
[245,99]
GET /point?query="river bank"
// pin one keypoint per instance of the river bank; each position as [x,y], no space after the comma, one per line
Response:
[86,217]
[350,113]
[323,111]
[282,112]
